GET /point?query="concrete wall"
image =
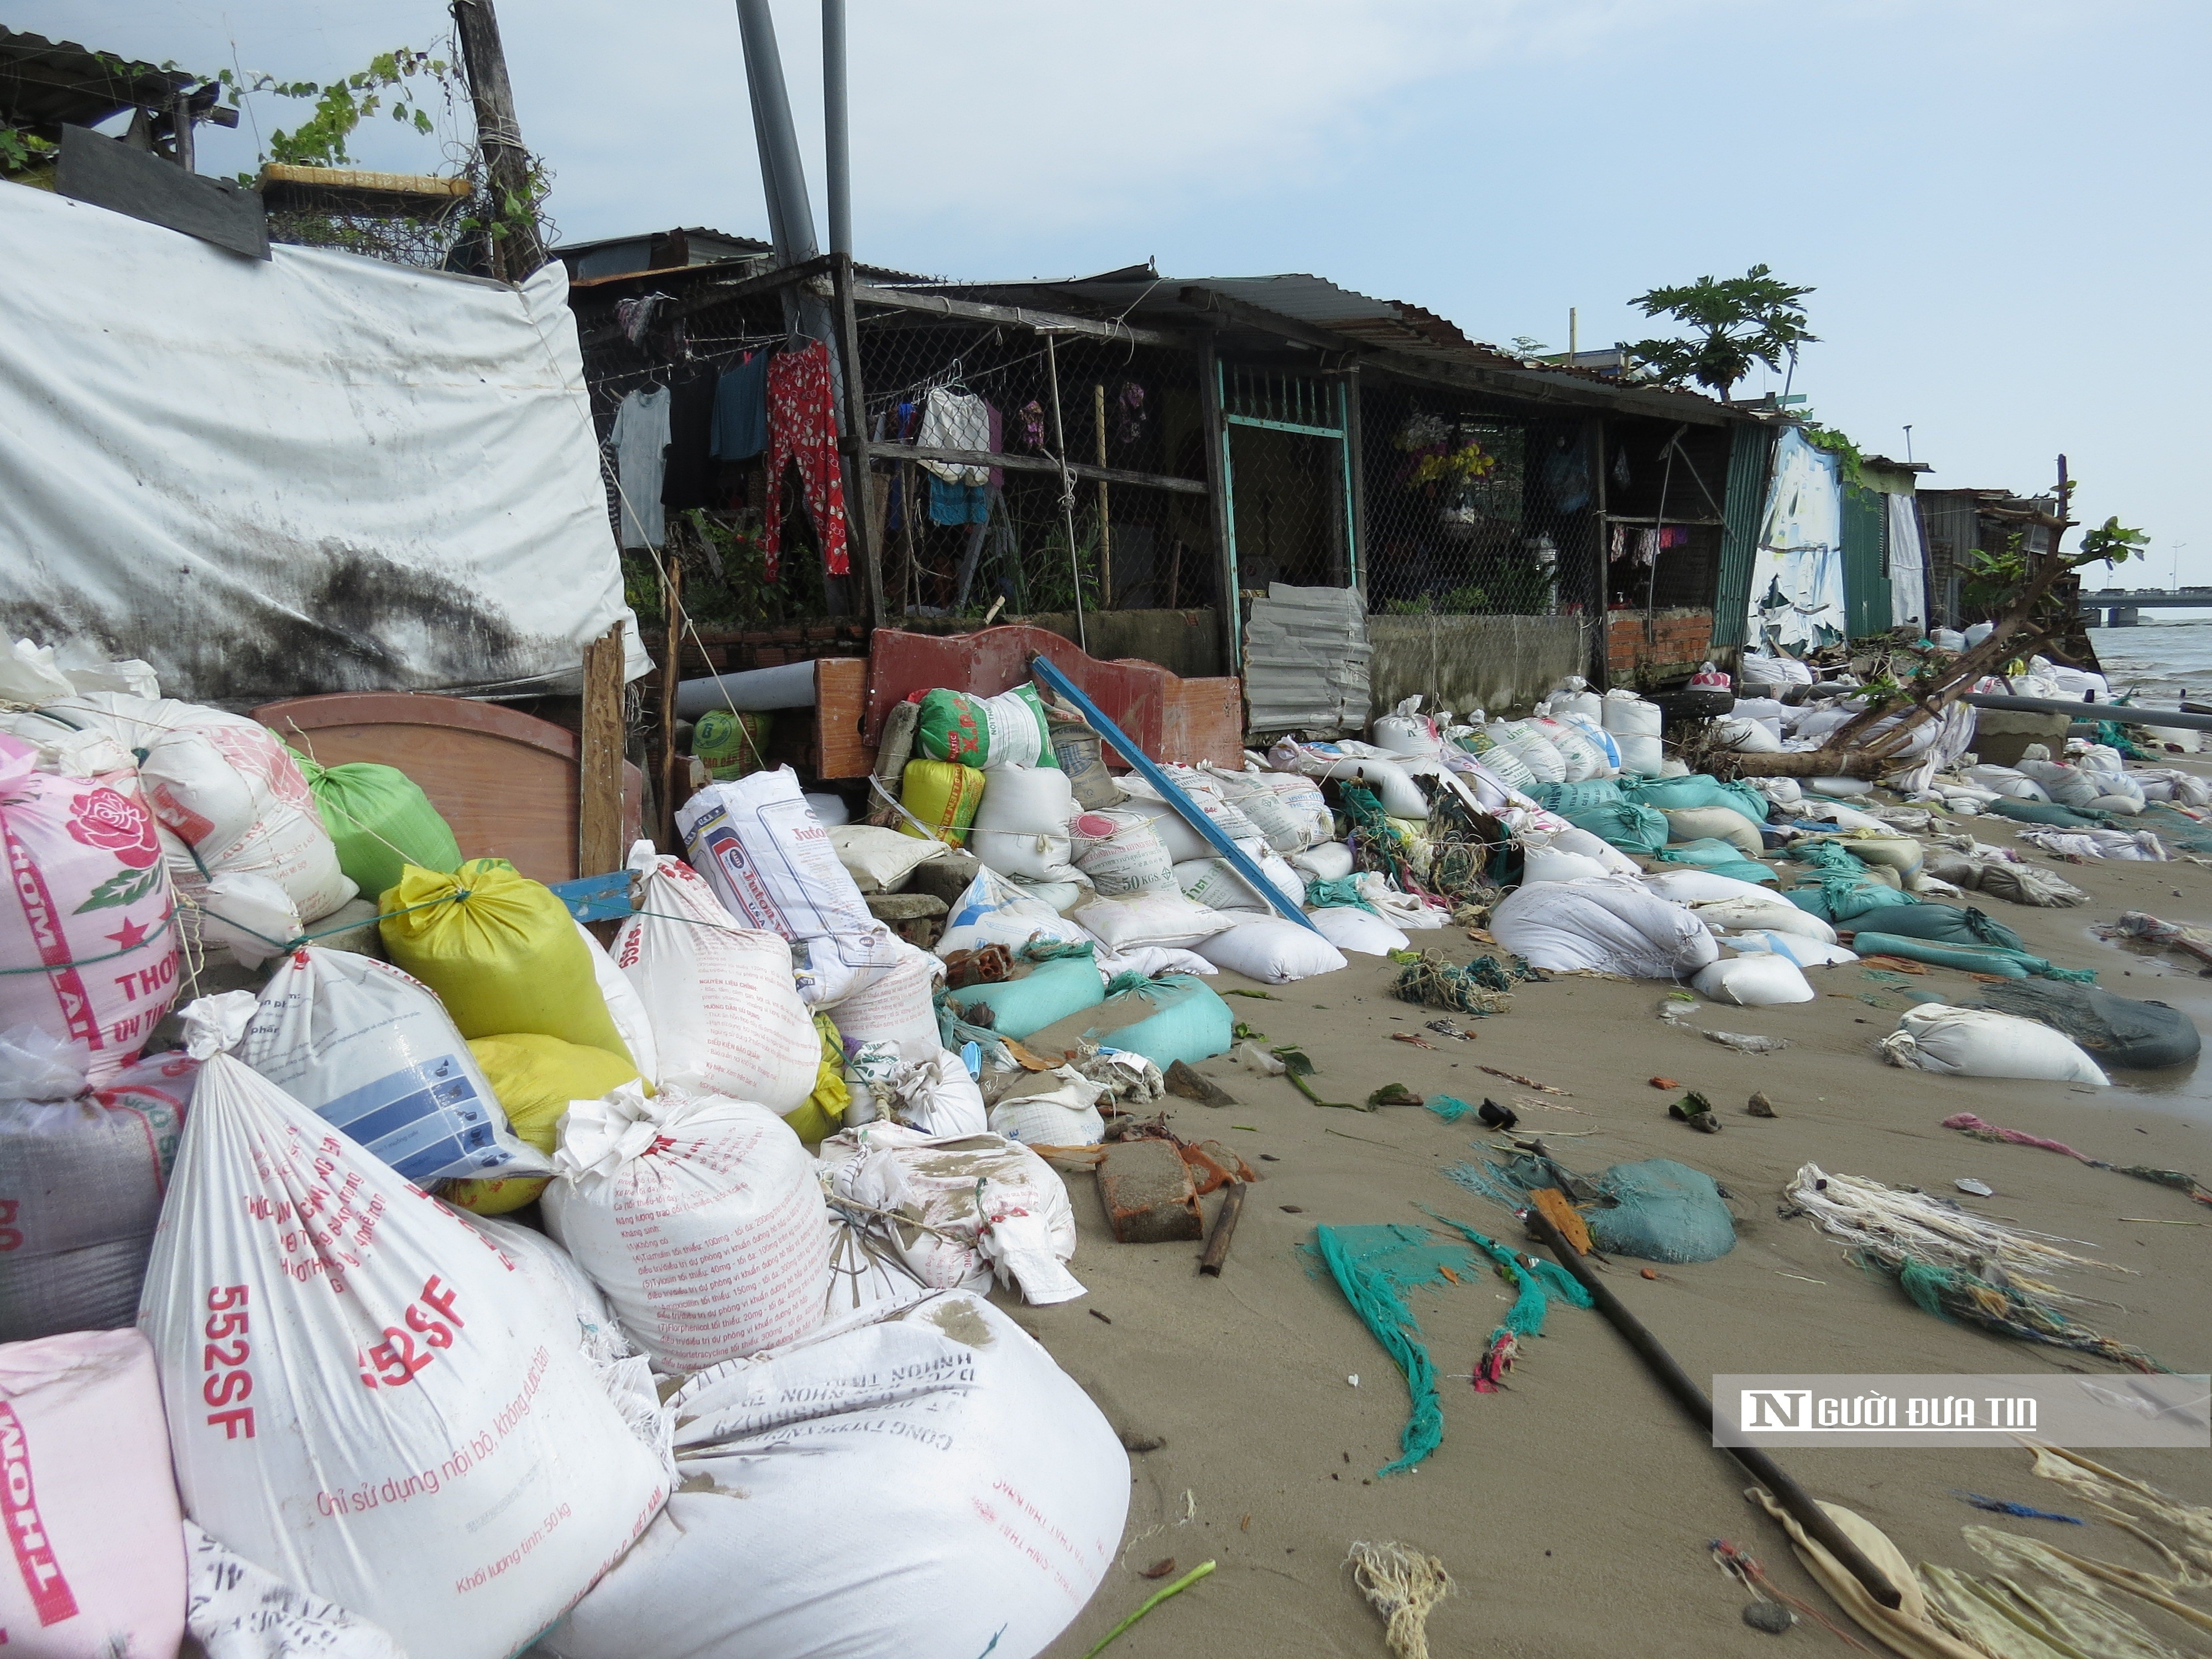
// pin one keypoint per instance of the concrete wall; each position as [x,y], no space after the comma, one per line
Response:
[1501,664]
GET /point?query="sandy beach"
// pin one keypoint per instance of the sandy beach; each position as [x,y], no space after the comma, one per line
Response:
[1574,1509]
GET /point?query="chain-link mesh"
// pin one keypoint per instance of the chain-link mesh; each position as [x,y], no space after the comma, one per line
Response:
[419,233]
[1470,512]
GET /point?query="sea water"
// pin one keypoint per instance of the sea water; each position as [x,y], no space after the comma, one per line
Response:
[2164,660]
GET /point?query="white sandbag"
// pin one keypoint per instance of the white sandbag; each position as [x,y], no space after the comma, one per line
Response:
[1765,909]
[82,1174]
[1547,863]
[563,1290]
[1543,762]
[1349,927]
[1120,852]
[1572,698]
[700,1218]
[1626,715]
[1586,748]
[1714,823]
[1328,861]
[1204,792]
[1757,981]
[1614,925]
[1697,887]
[372,1051]
[984,1204]
[1403,910]
[251,916]
[1150,960]
[1793,947]
[1286,828]
[623,1006]
[1980,1043]
[1021,828]
[1062,895]
[234,1610]
[987,1498]
[934,1097]
[897,1007]
[1059,1108]
[993,911]
[227,795]
[91,1509]
[1645,756]
[1569,838]
[2006,780]
[771,863]
[1848,788]
[1211,881]
[866,1273]
[1393,784]
[1405,730]
[1271,950]
[881,861]
[1746,736]
[1303,797]
[367,1408]
[1149,918]
[725,1016]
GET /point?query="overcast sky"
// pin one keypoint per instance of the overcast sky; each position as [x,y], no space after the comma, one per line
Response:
[2001,203]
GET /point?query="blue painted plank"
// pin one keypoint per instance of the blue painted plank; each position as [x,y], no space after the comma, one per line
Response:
[596,898]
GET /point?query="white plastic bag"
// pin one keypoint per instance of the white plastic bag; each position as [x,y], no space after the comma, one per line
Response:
[1059,1108]
[1273,951]
[1149,918]
[1548,863]
[993,911]
[372,1051]
[985,1204]
[700,1218]
[1981,1043]
[987,1497]
[726,1018]
[1349,927]
[1757,981]
[772,863]
[935,1097]
[1021,828]
[897,1007]
[1614,925]
[365,1407]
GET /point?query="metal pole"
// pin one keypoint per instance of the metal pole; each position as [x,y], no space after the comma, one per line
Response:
[791,215]
[1066,493]
[837,131]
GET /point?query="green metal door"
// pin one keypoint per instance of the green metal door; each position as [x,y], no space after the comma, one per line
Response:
[1748,454]
[1866,562]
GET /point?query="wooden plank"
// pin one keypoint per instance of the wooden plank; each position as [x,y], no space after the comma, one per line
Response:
[1043,322]
[599,758]
[862,526]
[596,898]
[1084,470]
[1203,723]
[671,670]
[841,708]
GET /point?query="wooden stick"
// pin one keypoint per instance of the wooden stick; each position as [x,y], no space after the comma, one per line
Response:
[1788,1494]
[599,758]
[1225,1229]
[1105,538]
[670,672]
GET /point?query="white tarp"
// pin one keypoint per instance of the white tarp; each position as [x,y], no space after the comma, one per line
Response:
[1797,572]
[1908,565]
[319,472]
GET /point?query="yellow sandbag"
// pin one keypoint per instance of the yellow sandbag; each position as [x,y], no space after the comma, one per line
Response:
[535,1078]
[944,795]
[500,951]
[822,1113]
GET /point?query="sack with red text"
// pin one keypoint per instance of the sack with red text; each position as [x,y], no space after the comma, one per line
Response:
[361,1398]
[88,948]
[91,1513]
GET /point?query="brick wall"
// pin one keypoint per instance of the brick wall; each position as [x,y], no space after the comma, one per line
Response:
[1664,646]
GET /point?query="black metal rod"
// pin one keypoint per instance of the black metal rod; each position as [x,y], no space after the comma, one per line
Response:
[1794,1499]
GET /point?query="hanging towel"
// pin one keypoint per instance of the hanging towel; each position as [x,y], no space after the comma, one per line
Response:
[740,429]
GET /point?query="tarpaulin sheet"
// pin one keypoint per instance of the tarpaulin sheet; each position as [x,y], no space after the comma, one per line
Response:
[320,472]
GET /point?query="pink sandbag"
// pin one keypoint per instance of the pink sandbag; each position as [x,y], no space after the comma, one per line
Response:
[98,1554]
[87,949]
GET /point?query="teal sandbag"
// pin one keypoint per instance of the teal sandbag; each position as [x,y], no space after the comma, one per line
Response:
[1698,789]
[1742,869]
[2011,964]
[1631,828]
[1950,924]
[1568,799]
[1661,1210]
[1051,991]
[1706,852]
[2046,811]
[1838,899]
[1191,1024]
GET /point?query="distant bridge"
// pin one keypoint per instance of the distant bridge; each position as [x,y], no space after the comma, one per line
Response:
[2116,607]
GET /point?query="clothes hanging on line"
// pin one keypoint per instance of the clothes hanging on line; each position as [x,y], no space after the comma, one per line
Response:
[802,428]
[958,503]
[640,440]
[955,420]
[740,429]
[1674,535]
[687,477]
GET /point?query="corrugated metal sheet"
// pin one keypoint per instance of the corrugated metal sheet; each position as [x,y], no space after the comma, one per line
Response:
[1748,456]
[1866,586]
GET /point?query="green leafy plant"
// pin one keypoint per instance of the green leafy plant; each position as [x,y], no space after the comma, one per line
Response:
[2112,543]
[321,140]
[1733,322]
[1850,463]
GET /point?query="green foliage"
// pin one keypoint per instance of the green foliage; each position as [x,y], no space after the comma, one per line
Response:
[341,107]
[2112,543]
[20,150]
[1849,461]
[1528,345]
[1733,321]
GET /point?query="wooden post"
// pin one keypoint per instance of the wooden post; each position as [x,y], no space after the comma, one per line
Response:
[599,758]
[1105,538]
[1217,488]
[520,251]
[671,670]
[860,521]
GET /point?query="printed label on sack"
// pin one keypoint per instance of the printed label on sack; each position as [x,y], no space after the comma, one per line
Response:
[425,1120]
[742,879]
[43,1581]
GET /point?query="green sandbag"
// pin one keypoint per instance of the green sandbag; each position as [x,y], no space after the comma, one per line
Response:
[728,744]
[1950,924]
[2046,811]
[1633,828]
[1568,799]
[1742,869]
[1698,789]
[1706,853]
[380,821]
[1176,1017]
[1008,730]
[2011,964]
[1661,1210]
[1837,899]
[1049,991]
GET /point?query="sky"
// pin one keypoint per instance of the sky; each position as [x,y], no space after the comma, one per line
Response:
[1997,202]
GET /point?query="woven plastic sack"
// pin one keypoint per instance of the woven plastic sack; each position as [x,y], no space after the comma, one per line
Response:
[1174,1017]
[1021,827]
[993,911]
[1661,1210]
[934,1097]
[1622,823]
[1713,823]
[535,1079]
[1047,992]
[1149,918]
[1761,980]
[1568,799]
[1079,753]
[726,1018]
[729,743]
[880,860]
[379,822]
[1273,951]
[1696,789]
[1008,730]
[87,944]
[1948,924]
[367,1408]
[501,952]
[989,1497]
[944,796]
[897,1007]
[2117,1031]
[1120,852]
[1059,1108]
[234,1610]
[700,1218]
[1613,926]
[1981,1043]
[1288,828]
[81,1176]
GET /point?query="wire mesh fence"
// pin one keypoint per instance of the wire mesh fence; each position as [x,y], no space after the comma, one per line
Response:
[1470,512]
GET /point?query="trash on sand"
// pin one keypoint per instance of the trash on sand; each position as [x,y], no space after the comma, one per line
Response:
[1744,1043]
[1526,1082]
[1483,986]
[1450,1107]
[1393,1094]
[1414,1038]
[1760,1105]
[1151,1602]
[2005,1506]
[1978,1188]
[1445,1028]
[1404,1586]
[1694,1109]
[1967,1123]
[1662,1083]
[1191,1085]
[1497,1117]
